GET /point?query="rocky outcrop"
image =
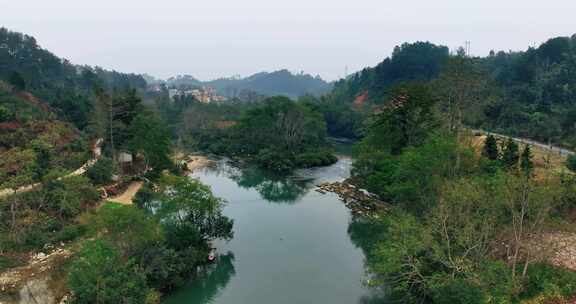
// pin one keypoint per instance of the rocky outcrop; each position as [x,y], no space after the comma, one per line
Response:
[359,201]
[30,283]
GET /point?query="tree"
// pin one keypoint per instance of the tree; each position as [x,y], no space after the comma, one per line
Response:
[462,85]
[510,155]
[44,152]
[464,224]
[151,138]
[401,258]
[490,149]
[529,207]
[5,114]
[67,197]
[99,275]
[571,163]
[526,164]
[17,81]
[406,120]
[188,205]
[126,227]
[101,172]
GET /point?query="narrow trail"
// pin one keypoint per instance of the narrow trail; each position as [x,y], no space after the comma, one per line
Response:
[96,151]
[548,147]
[128,195]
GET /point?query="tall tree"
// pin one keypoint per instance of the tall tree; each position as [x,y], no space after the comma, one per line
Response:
[17,81]
[150,137]
[490,149]
[461,85]
[405,121]
[526,161]
[510,155]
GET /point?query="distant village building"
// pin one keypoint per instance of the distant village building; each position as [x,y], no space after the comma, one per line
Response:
[204,94]
[173,93]
[124,157]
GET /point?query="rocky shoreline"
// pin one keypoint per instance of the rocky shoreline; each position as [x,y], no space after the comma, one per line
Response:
[29,283]
[359,201]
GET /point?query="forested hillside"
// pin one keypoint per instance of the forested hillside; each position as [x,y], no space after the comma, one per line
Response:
[66,87]
[33,143]
[537,91]
[281,82]
[529,94]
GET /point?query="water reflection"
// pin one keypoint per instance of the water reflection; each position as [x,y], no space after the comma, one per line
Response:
[365,233]
[212,280]
[310,252]
[272,187]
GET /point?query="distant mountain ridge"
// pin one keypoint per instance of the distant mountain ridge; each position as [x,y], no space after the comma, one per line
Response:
[281,82]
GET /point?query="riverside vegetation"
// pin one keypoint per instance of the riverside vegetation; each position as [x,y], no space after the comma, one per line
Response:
[461,226]
[464,224]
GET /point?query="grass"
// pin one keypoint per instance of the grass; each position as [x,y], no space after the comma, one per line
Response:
[545,162]
[7,262]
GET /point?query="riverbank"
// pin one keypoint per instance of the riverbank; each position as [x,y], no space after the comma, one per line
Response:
[317,256]
[35,282]
[194,162]
[359,201]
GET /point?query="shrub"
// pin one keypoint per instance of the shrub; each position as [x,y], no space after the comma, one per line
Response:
[70,233]
[7,262]
[458,291]
[274,160]
[571,163]
[101,172]
[5,114]
[99,275]
[548,280]
[143,196]
[69,196]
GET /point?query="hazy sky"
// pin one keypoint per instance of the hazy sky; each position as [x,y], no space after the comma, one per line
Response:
[215,38]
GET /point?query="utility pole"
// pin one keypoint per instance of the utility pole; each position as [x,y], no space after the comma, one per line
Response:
[467,48]
[111,123]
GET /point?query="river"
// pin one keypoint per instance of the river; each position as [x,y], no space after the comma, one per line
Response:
[291,244]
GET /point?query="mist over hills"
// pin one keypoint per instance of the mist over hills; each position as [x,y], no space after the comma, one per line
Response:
[281,82]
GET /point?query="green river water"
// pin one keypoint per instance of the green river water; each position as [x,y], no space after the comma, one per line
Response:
[291,244]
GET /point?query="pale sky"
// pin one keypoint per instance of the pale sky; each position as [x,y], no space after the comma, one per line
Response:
[215,38]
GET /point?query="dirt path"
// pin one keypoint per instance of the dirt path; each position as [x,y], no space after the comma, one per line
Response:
[96,151]
[563,247]
[127,196]
[197,161]
[548,147]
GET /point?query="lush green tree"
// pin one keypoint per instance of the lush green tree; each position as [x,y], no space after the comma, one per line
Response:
[510,154]
[402,258]
[99,275]
[571,162]
[490,149]
[101,172]
[151,138]
[405,121]
[17,81]
[44,153]
[128,228]
[290,126]
[526,164]
[70,196]
[5,114]
[462,86]
[459,291]
[188,205]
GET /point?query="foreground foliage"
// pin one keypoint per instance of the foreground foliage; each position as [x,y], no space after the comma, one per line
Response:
[464,223]
[149,248]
